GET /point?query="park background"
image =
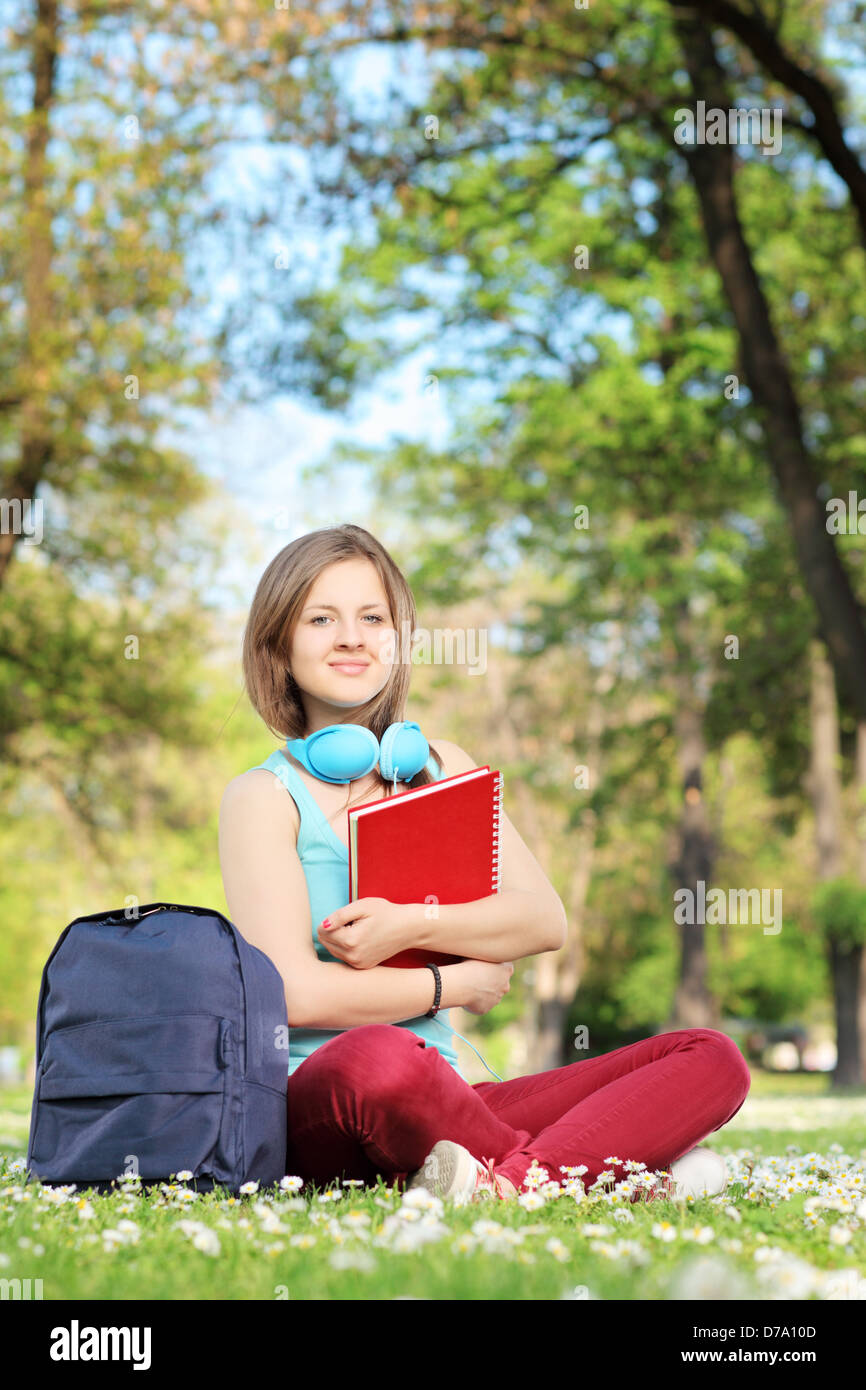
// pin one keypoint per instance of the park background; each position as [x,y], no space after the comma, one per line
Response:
[444,271]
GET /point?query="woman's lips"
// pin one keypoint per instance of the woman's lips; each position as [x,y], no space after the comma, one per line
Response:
[349,668]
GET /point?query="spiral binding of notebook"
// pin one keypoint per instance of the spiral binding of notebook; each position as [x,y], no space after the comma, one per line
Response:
[497,826]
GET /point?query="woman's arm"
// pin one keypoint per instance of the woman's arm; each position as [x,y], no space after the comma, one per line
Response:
[524,918]
[504,926]
[266,893]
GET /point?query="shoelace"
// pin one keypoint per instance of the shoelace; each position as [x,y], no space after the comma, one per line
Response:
[490,1179]
[664,1190]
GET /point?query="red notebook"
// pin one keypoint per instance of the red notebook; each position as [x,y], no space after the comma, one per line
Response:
[439,842]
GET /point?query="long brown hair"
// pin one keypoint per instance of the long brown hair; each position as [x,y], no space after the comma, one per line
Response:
[274,615]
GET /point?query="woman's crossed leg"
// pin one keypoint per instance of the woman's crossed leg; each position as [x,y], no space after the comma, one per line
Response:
[376,1099]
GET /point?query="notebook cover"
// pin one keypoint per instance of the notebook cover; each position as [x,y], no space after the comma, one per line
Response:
[440,841]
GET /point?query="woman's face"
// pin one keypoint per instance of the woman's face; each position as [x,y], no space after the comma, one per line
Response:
[345,619]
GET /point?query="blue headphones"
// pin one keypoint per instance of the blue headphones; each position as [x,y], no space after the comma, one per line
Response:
[344,752]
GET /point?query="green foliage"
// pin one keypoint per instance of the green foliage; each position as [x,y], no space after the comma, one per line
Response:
[138,816]
[778,979]
[839,907]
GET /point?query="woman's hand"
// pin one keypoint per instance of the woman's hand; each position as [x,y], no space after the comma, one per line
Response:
[367,931]
[482,983]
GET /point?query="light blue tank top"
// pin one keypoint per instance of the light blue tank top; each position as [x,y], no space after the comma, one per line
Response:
[325,861]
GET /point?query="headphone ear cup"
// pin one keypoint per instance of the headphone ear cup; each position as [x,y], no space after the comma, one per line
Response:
[338,753]
[403,748]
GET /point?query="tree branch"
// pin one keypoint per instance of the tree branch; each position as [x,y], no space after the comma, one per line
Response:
[764,45]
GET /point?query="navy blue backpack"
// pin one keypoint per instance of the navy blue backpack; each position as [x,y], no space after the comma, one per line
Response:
[161,1046]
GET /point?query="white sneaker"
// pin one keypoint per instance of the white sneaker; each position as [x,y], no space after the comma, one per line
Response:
[453,1173]
[699,1173]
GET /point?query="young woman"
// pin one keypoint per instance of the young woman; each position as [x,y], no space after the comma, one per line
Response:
[374,1083]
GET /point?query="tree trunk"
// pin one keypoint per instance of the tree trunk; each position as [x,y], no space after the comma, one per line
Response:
[554,975]
[558,974]
[845,968]
[860,823]
[19,484]
[824,785]
[841,617]
[693,1005]
[826,793]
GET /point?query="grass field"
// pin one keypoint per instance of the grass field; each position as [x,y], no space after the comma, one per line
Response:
[792,1225]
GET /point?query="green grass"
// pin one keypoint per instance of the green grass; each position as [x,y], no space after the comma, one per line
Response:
[761,1239]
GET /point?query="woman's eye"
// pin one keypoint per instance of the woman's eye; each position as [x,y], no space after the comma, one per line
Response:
[322,617]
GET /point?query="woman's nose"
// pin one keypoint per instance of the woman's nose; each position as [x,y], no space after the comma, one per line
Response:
[349,640]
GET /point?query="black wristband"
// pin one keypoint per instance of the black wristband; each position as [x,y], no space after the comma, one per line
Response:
[431,1013]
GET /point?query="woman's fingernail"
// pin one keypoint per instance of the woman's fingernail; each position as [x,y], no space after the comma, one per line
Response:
[327,922]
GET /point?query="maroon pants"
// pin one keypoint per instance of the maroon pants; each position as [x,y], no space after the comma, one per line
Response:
[376,1099]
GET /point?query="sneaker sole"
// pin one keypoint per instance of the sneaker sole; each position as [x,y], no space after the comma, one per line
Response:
[711,1180]
[448,1172]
